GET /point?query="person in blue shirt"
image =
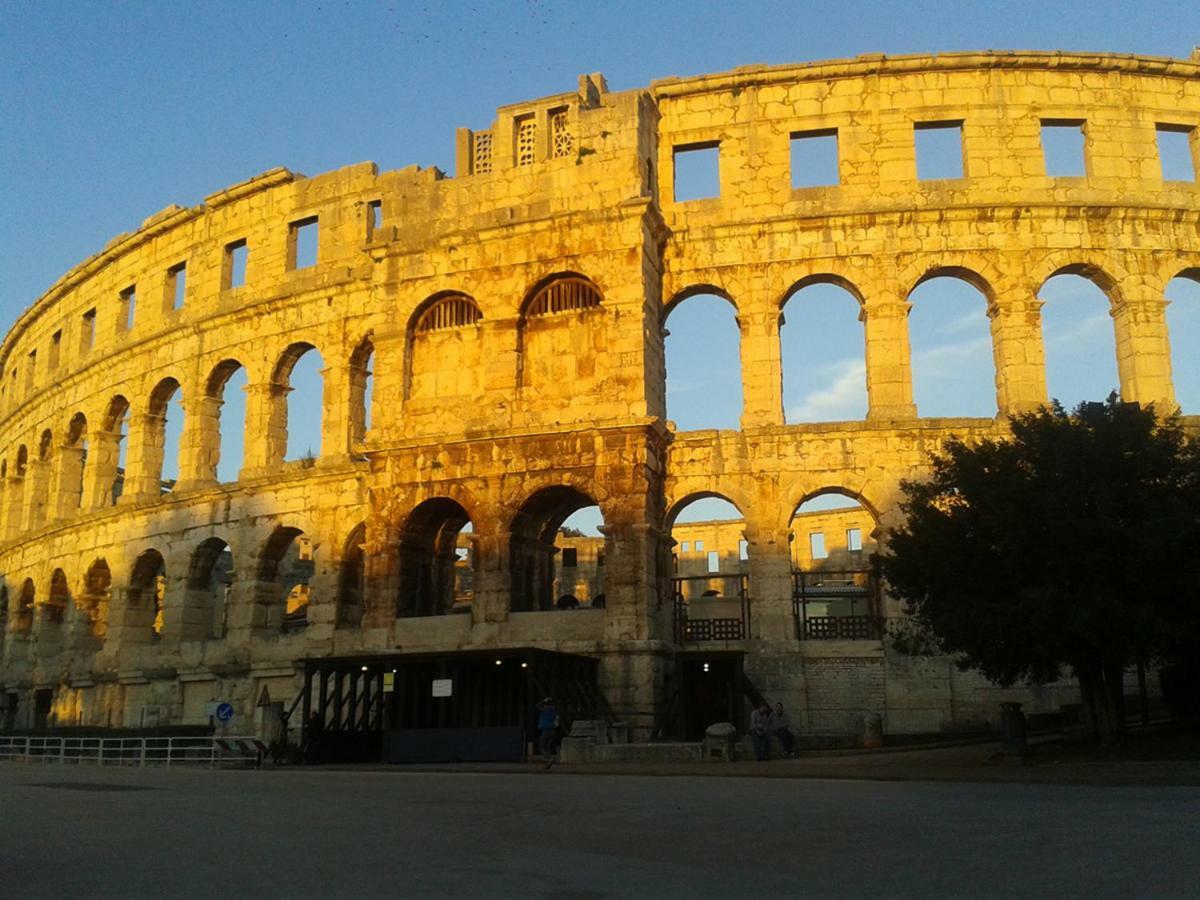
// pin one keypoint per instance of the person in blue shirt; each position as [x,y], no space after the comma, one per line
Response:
[547,723]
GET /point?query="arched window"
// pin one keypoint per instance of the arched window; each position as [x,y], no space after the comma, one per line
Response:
[147,592]
[569,293]
[58,599]
[40,480]
[111,459]
[448,311]
[209,584]
[703,363]
[288,560]
[298,403]
[1183,325]
[97,586]
[554,527]
[165,429]
[361,389]
[435,578]
[823,353]
[25,604]
[832,537]
[351,577]
[74,463]
[1078,337]
[953,369]
[711,565]
[227,387]
[445,355]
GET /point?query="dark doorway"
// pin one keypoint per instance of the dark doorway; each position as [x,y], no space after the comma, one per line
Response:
[12,701]
[43,700]
[711,690]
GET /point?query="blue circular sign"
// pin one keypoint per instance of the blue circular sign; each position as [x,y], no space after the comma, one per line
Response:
[224,712]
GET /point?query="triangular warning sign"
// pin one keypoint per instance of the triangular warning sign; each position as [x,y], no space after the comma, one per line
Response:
[264,699]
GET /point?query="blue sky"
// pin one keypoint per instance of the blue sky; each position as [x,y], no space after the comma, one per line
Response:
[110,112]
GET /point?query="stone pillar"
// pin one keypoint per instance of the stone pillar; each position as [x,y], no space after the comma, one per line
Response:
[200,443]
[144,459]
[492,599]
[130,625]
[266,428]
[67,496]
[380,584]
[14,506]
[501,355]
[762,368]
[1018,352]
[889,371]
[104,454]
[632,600]
[388,391]
[181,622]
[335,414]
[37,484]
[1143,350]
[770,564]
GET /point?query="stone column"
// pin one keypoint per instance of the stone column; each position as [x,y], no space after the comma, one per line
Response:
[130,625]
[66,498]
[104,454]
[266,429]
[36,490]
[1018,352]
[200,443]
[632,599]
[181,620]
[492,599]
[335,414]
[14,506]
[501,356]
[889,371]
[388,390]
[762,368]
[380,584]
[144,459]
[1143,350]
[770,565]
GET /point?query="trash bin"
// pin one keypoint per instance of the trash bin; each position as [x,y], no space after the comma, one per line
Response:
[1012,729]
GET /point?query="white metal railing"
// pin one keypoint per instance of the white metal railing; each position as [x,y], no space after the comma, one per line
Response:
[132,751]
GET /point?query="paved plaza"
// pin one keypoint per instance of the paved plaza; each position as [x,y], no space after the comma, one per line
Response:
[79,831]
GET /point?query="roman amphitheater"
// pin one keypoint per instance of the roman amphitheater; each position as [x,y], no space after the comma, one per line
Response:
[492,352]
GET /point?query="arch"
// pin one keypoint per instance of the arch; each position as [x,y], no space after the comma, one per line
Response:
[976,271]
[1102,273]
[164,426]
[696,290]
[26,601]
[351,578]
[209,580]
[297,388]
[443,311]
[45,445]
[822,350]
[73,464]
[93,601]
[1079,335]
[361,388]
[57,599]
[950,339]
[678,506]
[1183,330]
[22,461]
[146,595]
[561,292]
[110,455]
[225,420]
[287,562]
[702,362]
[534,535]
[40,479]
[431,582]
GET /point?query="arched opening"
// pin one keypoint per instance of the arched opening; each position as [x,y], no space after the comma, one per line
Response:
[711,560]
[3,616]
[40,480]
[209,585]
[361,389]
[15,491]
[953,367]
[227,389]
[561,333]
[836,597]
[702,345]
[351,578]
[25,604]
[165,423]
[436,563]
[73,464]
[1183,327]
[298,403]
[146,597]
[93,604]
[1078,337]
[110,461]
[445,350]
[547,536]
[286,567]
[55,610]
[823,352]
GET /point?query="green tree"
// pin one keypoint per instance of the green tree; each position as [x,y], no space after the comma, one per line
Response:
[1075,543]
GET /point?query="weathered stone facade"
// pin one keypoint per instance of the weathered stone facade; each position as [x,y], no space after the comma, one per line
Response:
[513,320]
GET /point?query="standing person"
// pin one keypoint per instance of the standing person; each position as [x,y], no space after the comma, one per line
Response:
[760,732]
[783,729]
[547,724]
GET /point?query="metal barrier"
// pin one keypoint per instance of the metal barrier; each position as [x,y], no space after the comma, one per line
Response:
[133,751]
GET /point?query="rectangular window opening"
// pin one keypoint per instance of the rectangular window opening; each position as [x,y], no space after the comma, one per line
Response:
[374,217]
[939,149]
[815,158]
[128,299]
[854,539]
[236,254]
[685,547]
[743,550]
[31,371]
[176,285]
[1063,148]
[714,561]
[1175,152]
[570,557]
[55,349]
[699,546]
[816,545]
[697,171]
[87,331]
[302,243]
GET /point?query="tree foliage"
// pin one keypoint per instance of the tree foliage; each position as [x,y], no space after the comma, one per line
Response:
[1073,543]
